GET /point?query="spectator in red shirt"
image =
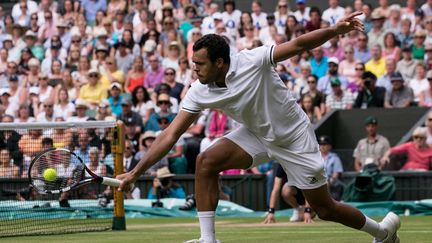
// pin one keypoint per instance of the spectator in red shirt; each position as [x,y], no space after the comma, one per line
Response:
[419,153]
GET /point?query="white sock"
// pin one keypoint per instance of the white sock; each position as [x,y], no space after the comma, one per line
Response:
[373,228]
[207,226]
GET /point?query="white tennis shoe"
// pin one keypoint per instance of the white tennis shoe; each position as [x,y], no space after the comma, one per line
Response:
[391,223]
[295,217]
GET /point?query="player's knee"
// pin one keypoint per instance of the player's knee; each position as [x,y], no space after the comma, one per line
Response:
[206,164]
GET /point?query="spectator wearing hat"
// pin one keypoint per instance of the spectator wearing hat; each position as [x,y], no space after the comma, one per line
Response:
[419,83]
[332,166]
[324,83]
[129,116]
[115,98]
[124,59]
[94,91]
[147,140]
[149,49]
[154,74]
[406,66]
[10,108]
[338,99]
[369,94]
[425,97]
[372,148]
[64,33]
[418,47]
[376,34]
[419,153]
[302,13]
[400,95]
[165,89]
[377,64]
[164,104]
[103,112]
[173,55]
[164,186]
[81,108]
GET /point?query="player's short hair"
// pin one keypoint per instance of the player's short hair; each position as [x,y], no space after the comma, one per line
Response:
[216,47]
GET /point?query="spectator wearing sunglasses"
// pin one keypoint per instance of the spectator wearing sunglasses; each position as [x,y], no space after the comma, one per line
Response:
[163,104]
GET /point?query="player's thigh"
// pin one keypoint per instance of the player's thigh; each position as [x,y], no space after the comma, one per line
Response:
[319,198]
[224,154]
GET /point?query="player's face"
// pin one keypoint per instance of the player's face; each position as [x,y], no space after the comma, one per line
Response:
[204,68]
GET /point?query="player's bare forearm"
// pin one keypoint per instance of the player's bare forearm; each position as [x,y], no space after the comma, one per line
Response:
[164,142]
[316,38]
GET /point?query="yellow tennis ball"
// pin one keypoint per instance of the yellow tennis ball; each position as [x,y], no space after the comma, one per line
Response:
[50,174]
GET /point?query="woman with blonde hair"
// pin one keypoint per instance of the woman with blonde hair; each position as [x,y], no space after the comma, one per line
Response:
[347,66]
[63,107]
[103,111]
[112,74]
[31,78]
[419,153]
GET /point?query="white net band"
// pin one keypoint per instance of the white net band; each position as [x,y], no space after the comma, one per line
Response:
[57,125]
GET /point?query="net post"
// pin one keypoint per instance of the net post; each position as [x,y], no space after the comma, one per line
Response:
[117,149]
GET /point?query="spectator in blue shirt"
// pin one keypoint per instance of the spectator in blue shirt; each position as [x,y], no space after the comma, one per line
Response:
[332,165]
[164,186]
[115,99]
[91,7]
[318,62]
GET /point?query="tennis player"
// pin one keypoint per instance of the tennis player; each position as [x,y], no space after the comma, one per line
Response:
[247,87]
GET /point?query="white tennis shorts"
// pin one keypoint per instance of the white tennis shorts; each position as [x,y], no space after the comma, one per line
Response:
[301,160]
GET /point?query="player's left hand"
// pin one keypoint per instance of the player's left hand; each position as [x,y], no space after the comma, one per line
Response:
[270,219]
[349,23]
[307,218]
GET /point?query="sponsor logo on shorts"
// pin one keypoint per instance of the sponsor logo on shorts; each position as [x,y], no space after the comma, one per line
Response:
[313,180]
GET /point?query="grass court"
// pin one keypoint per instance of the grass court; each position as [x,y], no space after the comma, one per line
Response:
[415,229]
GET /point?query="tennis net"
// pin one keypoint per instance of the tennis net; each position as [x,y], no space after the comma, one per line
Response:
[24,211]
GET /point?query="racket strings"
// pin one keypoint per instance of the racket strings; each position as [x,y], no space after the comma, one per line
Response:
[67,168]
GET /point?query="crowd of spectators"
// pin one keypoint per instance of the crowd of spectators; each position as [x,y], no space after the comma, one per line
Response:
[80,60]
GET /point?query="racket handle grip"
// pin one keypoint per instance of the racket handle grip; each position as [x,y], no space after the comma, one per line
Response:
[111,182]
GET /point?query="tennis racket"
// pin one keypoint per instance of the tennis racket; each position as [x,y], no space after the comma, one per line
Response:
[58,170]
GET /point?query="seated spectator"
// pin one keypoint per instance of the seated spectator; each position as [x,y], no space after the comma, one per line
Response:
[23,114]
[146,142]
[419,83]
[390,68]
[9,140]
[132,134]
[318,98]
[405,35]
[338,99]
[176,158]
[164,105]
[164,186]
[62,138]
[419,153]
[10,108]
[371,149]
[103,112]
[130,116]
[115,99]
[318,62]
[218,124]
[348,65]
[334,50]
[376,64]
[83,147]
[324,83]
[7,168]
[64,108]
[135,77]
[47,115]
[30,144]
[154,74]
[400,95]
[291,195]
[418,47]
[142,103]
[391,48]
[332,165]
[175,87]
[428,124]
[80,110]
[369,94]
[129,161]
[362,52]
[425,97]
[94,91]
[313,112]
[112,74]
[407,65]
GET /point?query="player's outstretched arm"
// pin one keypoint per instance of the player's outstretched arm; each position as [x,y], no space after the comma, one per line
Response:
[160,147]
[318,37]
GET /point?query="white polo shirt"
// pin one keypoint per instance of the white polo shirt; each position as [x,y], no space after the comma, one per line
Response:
[255,96]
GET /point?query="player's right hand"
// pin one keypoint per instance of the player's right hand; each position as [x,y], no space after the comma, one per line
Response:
[127,181]
[270,219]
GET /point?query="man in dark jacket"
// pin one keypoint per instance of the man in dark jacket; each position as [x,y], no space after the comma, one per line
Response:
[369,94]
